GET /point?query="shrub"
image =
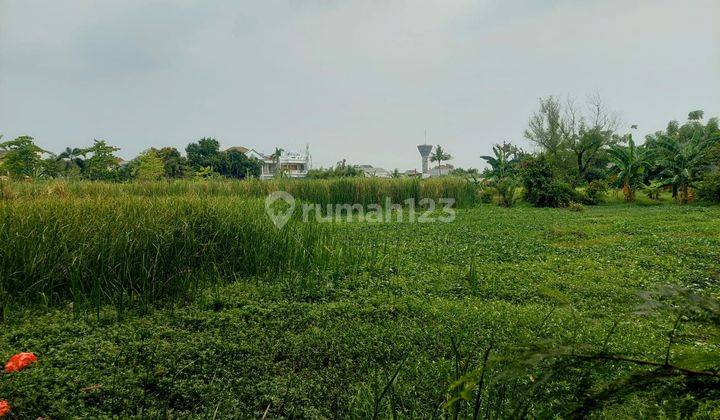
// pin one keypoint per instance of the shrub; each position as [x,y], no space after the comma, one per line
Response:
[485,195]
[595,192]
[543,188]
[573,206]
[506,190]
[709,187]
[653,190]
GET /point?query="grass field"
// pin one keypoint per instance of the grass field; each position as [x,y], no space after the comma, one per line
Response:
[183,305]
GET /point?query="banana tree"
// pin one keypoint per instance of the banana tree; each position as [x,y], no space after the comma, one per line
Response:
[504,163]
[682,163]
[629,163]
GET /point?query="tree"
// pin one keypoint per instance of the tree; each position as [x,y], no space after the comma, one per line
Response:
[504,162]
[395,173]
[629,163]
[439,155]
[545,127]
[72,161]
[695,115]
[588,135]
[102,163]
[205,153]
[21,157]
[150,166]
[235,164]
[685,153]
[175,165]
[682,162]
[276,160]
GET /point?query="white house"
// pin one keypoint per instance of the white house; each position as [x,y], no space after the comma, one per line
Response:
[292,164]
[373,172]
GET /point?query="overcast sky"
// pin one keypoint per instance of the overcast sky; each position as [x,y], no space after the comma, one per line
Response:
[360,80]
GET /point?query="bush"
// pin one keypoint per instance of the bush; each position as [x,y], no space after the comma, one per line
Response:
[595,192]
[506,190]
[485,195]
[653,190]
[542,188]
[709,188]
[573,206]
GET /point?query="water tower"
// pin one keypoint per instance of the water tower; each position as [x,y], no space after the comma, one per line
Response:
[425,150]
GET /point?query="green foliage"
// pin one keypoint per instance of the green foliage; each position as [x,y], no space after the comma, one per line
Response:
[235,164]
[596,191]
[174,164]
[341,170]
[403,331]
[545,127]
[439,155]
[577,207]
[72,161]
[507,191]
[709,187]
[150,166]
[504,162]
[683,157]
[20,157]
[102,163]
[204,154]
[653,190]
[629,165]
[542,186]
[485,194]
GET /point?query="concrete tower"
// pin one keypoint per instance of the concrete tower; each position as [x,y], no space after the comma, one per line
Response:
[425,150]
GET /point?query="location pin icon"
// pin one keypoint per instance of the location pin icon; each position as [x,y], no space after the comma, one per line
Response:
[279,217]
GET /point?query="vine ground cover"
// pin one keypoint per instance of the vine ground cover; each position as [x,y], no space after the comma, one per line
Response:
[327,344]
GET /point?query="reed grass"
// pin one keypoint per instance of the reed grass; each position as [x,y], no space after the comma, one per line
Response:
[327,191]
[127,249]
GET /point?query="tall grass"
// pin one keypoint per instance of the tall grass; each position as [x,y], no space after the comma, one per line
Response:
[119,249]
[329,191]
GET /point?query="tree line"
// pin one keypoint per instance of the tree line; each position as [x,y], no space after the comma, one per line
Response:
[21,158]
[580,153]
[583,147]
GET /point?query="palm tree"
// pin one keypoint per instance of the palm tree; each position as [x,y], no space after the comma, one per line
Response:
[629,164]
[682,162]
[439,155]
[276,158]
[504,162]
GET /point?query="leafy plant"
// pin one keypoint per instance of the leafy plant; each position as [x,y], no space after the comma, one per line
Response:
[21,157]
[507,190]
[596,191]
[542,187]
[504,162]
[629,164]
[653,190]
[682,163]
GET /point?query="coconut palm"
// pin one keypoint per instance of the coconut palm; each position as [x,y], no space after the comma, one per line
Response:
[629,163]
[682,163]
[439,155]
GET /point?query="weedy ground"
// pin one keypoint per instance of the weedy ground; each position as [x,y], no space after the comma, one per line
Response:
[390,337]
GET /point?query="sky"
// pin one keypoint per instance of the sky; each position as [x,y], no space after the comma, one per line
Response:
[356,80]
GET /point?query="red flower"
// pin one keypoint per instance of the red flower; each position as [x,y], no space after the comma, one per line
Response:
[4,408]
[19,362]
